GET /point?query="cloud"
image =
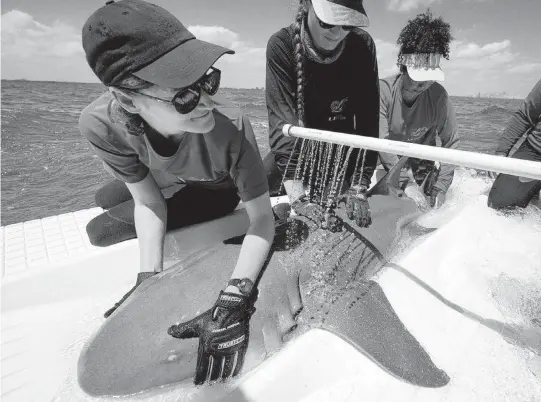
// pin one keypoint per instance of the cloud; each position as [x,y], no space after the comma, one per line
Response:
[408,5]
[246,68]
[22,36]
[473,56]
[386,53]
[489,67]
[525,68]
[474,67]
[36,51]
[473,50]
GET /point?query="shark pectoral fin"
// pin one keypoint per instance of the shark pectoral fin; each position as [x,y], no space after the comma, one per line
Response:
[364,317]
[415,230]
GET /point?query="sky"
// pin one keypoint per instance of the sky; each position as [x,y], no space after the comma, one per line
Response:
[496,46]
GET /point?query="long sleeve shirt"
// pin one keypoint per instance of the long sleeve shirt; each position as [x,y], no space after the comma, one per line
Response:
[431,115]
[342,96]
[526,120]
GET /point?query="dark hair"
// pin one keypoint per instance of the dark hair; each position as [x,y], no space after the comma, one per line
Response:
[424,34]
[133,123]
[298,51]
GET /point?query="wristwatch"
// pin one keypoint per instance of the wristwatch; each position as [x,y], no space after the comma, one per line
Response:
[245,285]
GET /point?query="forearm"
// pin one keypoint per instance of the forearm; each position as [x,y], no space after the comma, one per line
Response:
[255,248]
[515,129]
[371,160]
[522,121]
[150,225]
[445,178]
[450,139]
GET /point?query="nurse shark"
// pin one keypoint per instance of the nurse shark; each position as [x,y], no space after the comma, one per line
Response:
[312,279]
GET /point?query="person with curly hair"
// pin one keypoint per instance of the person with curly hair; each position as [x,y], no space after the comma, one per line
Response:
[415,108]
[511,191]
[322,73]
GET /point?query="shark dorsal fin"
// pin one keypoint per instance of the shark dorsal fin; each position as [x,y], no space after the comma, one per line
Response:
[391,180]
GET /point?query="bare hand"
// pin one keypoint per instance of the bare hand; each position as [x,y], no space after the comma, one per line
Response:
[414,192]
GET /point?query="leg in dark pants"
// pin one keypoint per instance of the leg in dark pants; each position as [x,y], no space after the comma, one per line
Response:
[274,176]
[188,206]
[511,191]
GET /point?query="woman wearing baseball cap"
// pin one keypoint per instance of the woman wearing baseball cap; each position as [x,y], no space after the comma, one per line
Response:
[414,108]
[158,127]
[322,73]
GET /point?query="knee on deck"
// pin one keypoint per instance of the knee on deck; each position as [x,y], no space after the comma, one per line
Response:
[105,231]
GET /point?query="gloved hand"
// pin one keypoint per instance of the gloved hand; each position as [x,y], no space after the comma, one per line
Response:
[223,332]
[357,207]
[321,216]
[437,198]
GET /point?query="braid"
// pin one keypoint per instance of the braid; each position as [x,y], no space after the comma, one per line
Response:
[295,160]
[299,60]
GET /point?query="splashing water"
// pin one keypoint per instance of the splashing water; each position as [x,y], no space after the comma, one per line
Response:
[480,260]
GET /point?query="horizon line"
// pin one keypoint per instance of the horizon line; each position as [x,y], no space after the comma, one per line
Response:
[257,88]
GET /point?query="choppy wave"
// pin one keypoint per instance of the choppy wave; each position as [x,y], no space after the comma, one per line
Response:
[496,110]
[48,167]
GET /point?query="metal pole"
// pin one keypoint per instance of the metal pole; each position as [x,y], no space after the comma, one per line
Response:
[500,164]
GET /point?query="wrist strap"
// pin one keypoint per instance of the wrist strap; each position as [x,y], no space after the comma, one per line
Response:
[230,300]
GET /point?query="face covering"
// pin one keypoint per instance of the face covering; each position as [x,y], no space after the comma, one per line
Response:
[315,55]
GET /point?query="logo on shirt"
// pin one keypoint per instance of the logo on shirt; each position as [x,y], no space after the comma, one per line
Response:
[337,107]
[417,134]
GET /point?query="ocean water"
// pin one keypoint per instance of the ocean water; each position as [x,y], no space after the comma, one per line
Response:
[484,262]
[48,168]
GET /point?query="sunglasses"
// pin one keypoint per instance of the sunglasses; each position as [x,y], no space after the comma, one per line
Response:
[326,26]
[188,98]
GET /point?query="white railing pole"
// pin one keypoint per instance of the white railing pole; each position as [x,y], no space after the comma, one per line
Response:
[500,164]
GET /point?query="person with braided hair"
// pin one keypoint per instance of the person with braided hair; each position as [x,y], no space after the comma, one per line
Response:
[415,108]
[322,73]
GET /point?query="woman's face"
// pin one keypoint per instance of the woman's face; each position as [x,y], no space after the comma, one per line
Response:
[326,39]
[414,88]
[164,118]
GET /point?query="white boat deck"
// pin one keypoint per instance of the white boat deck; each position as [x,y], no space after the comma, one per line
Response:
[56,285]
[39,243]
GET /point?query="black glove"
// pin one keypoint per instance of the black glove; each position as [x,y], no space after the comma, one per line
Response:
[357,207]
[321,216]
[223,333]
[430,181]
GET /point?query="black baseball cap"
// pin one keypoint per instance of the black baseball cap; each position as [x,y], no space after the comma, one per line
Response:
[136,37]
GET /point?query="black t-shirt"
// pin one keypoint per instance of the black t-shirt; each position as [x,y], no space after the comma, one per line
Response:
[337,95]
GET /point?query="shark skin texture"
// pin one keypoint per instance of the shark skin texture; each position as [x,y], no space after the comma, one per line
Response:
[312,279]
